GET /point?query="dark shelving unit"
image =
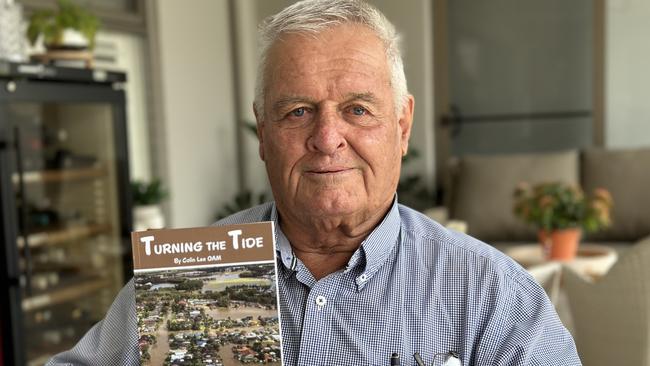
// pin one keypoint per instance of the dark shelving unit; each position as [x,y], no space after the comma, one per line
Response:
[65,211]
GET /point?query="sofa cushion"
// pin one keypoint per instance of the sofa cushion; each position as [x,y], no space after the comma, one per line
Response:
[626,174]
[483,186]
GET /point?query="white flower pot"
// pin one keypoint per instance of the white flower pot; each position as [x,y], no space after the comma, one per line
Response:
[148,217]
[71,38]
[74,38]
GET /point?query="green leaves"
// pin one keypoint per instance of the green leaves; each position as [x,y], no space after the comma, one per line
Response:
[42,22]
[412,189]
[147,193]
[553,206]
[243,200]
[51,24]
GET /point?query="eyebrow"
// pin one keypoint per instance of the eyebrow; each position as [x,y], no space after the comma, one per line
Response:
[366,97]
[282,103]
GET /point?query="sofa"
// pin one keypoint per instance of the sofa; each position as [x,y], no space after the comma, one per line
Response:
[480,191]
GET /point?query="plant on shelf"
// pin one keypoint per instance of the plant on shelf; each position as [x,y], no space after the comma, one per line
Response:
[245,198]
[146,198]
[242,200]
[560,212]
[151,193]
[412,190]
[68,27]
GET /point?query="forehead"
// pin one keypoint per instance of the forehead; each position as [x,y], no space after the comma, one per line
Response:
[349,55]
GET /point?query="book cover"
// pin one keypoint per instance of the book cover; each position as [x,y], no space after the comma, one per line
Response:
[207,296]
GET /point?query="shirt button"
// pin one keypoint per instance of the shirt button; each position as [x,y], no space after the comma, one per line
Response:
[321,301]
[363,278]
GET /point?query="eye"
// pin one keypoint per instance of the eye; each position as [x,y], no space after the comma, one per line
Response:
[358,111]
[298,112]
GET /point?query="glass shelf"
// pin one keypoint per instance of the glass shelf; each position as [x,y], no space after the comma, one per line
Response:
[60,294]
[72,233]
[52,176]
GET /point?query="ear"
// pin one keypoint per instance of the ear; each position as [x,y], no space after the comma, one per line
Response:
[260,132]
[406,122]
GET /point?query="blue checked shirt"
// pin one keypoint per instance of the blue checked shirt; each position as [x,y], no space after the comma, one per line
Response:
[412,286]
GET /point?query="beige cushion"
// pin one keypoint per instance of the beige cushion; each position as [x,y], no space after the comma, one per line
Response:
[612,315]
[626,174]
[483,186]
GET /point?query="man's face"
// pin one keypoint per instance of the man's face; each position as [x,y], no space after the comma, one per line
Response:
[329,136]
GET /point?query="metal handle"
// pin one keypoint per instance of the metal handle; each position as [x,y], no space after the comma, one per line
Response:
[453,119]
[23,224]
[456,117]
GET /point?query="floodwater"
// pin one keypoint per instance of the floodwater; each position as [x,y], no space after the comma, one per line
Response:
[220,284]
[162,285]
[240,312]
[237,313]
[214,283]
[159,350]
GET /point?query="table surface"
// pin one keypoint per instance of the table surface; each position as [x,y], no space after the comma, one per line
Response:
[593,260]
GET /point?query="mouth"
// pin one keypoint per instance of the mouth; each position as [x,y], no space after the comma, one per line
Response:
[328,171]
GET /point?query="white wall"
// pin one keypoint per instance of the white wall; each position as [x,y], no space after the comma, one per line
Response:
[128,51]
[627,78]
[247,19]
[197,121]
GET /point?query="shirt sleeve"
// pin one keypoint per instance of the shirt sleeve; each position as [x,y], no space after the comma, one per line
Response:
[112,341]
[526,330]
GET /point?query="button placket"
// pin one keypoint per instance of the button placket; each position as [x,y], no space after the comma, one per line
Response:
[317,325]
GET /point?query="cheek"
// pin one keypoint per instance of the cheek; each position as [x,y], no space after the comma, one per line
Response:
[282,150]
[380,149]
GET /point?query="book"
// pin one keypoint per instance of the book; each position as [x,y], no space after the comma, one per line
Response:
[207,295]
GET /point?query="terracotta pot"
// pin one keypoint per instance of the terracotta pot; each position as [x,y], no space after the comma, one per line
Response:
[561,245]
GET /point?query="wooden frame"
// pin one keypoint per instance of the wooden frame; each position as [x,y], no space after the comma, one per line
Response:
[441,91]
[598,107]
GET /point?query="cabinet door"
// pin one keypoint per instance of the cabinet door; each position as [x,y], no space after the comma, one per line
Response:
[66,184]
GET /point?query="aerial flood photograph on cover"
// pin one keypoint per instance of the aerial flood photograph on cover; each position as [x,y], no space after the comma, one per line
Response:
[219,316]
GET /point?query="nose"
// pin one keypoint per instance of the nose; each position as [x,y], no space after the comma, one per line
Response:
[327,134]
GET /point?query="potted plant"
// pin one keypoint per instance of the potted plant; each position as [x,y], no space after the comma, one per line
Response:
[242,200]
[561,212]
[70,27]
[147,213]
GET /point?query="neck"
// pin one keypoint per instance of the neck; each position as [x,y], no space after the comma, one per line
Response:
[325,245]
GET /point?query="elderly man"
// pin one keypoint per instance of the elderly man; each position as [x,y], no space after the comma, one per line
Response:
[361,278]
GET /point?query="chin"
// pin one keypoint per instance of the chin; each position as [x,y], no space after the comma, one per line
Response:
[324,206]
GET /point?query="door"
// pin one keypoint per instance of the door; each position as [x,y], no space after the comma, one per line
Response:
[517,76]
[65,186]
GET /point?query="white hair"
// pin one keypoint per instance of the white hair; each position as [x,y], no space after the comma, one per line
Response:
[315,16]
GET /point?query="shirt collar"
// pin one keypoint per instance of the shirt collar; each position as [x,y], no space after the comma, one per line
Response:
[378,246]
[366,260]
[283,250]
